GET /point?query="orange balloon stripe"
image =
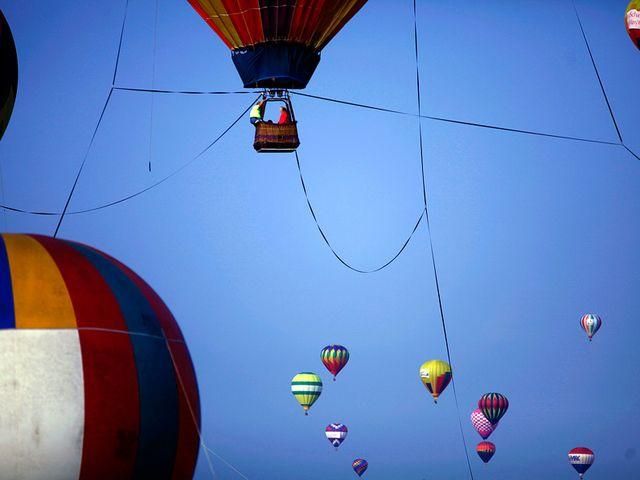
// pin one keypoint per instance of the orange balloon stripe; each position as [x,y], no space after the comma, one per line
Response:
[31,266]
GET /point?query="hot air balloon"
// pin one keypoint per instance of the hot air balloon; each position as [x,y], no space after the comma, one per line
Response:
[360,466]
[435,375]
[306,387]
[493,407]
[581,459]
[485,451]
[481,424]
[590,323]
[632,21]
[336,434]
[276,45]
[334,357]
[97,381]
[8,75]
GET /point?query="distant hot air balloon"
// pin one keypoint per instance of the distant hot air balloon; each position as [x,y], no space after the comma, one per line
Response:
[306,387]
[590,323]
[493,407]
[97,381]
[481,424]
[8,73]
[485,451]
[276,44]
[335,358]
[581,458]
[336,434]
[632,21]
[360,466]
[435,375]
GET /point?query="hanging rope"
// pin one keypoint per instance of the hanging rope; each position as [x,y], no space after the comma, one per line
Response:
[139,192]
[328,243]
[431,249]
[153,83]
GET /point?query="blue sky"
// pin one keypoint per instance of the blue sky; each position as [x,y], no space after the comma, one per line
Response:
[529,232]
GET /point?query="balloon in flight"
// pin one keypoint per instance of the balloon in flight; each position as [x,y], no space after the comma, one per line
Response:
[581,458]
[360,466]
[335,358]
[590,323]
[481,424]
[276,44]
[97,378]
[435,375]
[493,407]
[306,387]
[336,434]
[632,22]
[485,451]
[8,74]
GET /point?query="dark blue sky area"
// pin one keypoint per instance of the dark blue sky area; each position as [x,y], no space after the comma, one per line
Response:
[529,232]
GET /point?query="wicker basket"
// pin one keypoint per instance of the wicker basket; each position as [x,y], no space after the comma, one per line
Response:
[274,137]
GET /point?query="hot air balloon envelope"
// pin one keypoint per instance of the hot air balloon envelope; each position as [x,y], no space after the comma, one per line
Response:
[481,424]
[493,406]
[8,74]
[632,21]
[360,466]
[485,451]
[306,387]
[435,376]
[590,323]
[336,434]
[581,458]
[97,378]
[335,358]
[276,44]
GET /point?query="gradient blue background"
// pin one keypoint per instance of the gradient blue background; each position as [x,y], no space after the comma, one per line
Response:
[529,232]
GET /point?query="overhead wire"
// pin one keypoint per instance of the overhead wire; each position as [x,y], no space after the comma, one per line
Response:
[430,236]
[458,122]
[595,69]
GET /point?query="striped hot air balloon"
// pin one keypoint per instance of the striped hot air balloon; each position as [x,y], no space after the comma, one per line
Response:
[485,451]
[493,407]
[632,21]
[276,44]
[97,382]
[435,375]
[8,73]
[481,424]
[334,357]
[336,434]
[360,466]
[590,323]
[581,458]
[306,387]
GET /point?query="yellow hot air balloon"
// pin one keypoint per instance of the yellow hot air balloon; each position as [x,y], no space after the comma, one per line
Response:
[306,387]
[435,375]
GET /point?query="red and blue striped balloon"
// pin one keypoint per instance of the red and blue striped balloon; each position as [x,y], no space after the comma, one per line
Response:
[581,459]
[590,323]
[360,466]
[98,379]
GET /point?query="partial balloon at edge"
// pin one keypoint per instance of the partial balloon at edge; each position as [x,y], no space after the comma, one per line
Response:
[8,74]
